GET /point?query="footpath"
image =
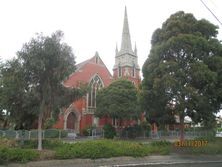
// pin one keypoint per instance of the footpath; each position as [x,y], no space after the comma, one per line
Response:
[154,160]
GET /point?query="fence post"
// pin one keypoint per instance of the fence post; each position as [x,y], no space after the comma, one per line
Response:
[3,134]
[59,134]
[43,134]
[29,135]
[93,133]
[16,135]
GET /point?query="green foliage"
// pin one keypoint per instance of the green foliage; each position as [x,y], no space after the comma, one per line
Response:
[17,155]
[219,129]
[46,61]
[145,125]
[4,142]
[210,137]
[161,143]
[16,97]
[51,133]
[118,100]
[132,131]
[109,131]
[87,131]
[180,77]
[47,144]
[49,123]
[107,148]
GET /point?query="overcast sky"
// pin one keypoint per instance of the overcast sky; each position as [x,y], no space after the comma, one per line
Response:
[93,25]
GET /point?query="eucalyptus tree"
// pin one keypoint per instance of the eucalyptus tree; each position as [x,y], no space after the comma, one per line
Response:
[46,62]
[17,100]
[180,76]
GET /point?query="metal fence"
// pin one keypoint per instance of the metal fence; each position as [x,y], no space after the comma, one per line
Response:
[176,134]
[163,134]
[33,134]
[99,133]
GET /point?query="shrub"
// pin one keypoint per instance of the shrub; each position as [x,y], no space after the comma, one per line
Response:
[17,155]
[47,144]
[49,123]
[161,143]
[145,126]
[209,137]
[64,133]
[51,133]
[219,129]
[133,131]
[4,142]
[100,149]
[106,149]
[109,131]
[87,131]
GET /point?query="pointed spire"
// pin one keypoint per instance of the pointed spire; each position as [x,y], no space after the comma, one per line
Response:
[116,49]
[126,41]
[96,57]
[96,54]
[135,49]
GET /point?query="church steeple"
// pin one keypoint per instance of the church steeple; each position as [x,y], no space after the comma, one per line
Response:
[126,41]
[126,60]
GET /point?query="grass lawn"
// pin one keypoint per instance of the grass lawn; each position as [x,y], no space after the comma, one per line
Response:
[11,151]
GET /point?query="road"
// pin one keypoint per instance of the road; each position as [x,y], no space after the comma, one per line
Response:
[157,161]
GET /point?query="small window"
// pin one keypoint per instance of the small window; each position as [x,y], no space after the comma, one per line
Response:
[119,71]
[134,71]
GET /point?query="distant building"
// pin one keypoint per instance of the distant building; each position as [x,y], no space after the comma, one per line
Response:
[80,114]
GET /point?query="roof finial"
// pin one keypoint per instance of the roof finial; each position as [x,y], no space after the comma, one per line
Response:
[96,54]
[126,41]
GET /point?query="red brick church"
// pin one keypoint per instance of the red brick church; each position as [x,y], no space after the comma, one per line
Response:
[80,114]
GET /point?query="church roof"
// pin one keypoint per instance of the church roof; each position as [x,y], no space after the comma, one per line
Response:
[86,70]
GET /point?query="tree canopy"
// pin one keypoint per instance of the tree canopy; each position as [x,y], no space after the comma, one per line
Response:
[180,76]
[17,100]
[33,82]
[118,100]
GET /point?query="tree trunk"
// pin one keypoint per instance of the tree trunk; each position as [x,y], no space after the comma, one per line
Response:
[5,123]
[181,128]
[41,112]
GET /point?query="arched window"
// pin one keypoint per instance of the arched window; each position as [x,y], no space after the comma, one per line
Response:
[95,85]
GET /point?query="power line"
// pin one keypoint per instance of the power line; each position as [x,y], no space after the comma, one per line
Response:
[211,12]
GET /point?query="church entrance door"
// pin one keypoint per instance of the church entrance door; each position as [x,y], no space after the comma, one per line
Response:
[71,121]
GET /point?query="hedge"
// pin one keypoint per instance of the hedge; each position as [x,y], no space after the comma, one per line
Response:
[17,155]
[108,148]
